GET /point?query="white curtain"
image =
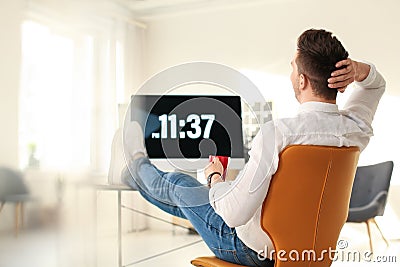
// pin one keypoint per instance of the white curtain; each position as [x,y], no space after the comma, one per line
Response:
[79,62]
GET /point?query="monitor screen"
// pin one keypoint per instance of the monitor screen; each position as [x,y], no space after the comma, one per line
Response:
[190,127]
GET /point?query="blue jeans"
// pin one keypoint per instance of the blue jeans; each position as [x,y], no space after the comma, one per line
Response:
[183,196]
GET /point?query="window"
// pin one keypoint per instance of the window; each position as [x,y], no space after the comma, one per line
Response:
[73,78]
[55,99]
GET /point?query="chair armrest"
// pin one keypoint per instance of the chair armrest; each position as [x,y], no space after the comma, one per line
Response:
[372,209]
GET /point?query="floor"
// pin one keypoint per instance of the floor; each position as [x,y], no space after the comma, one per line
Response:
[89,245]
[49,248]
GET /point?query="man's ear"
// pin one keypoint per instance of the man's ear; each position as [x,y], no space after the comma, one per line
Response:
[302,81]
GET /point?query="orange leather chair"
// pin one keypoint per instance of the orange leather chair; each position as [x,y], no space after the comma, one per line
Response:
[306,205]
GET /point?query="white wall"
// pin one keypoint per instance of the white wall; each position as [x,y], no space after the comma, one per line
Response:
[10,55]
[262,38]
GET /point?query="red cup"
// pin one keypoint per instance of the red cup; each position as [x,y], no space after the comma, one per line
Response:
[224,161]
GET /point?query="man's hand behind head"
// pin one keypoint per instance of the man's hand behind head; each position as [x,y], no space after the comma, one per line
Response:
[343,76]
[348,72]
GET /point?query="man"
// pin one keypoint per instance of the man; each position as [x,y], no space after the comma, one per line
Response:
[227,215]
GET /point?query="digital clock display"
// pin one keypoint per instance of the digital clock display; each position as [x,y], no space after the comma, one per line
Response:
[169,127]
[178,126]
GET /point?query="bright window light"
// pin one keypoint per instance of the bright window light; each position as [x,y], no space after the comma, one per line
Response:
[55,99]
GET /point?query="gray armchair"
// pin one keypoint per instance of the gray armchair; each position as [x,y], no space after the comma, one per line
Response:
[369,195]
[13,190]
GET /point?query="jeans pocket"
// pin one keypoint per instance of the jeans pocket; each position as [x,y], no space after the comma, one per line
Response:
[226,255]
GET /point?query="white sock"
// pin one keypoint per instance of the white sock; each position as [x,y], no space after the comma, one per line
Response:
[133,140]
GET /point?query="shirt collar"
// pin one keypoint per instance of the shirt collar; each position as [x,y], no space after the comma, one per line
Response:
[318,106]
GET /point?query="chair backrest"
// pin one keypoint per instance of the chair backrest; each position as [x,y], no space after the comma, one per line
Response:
[307,203]
[370,182]
[11,183]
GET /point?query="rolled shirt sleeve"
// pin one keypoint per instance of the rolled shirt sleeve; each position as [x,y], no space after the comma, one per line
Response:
[364,100]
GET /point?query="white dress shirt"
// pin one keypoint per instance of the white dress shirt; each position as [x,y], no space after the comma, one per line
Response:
[239,202]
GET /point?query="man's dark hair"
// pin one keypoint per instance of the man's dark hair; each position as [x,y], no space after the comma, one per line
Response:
[318,52]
